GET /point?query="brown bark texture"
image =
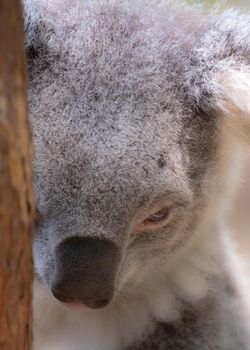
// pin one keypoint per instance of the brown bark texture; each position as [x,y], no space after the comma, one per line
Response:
[16,196]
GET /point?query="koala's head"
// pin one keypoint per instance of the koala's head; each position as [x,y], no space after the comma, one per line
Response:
[127,142]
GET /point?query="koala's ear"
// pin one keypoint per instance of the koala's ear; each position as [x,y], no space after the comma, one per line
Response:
[49,9]
[233,101]
[36,46]
[42,18]
[38,30]
[33,24]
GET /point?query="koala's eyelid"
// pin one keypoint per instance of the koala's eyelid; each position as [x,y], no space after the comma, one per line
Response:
[173,203]
[144,222]
[158,217]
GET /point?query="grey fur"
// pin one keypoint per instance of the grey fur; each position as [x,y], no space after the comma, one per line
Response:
[125,113]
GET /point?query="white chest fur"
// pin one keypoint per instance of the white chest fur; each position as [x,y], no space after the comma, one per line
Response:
[56,327]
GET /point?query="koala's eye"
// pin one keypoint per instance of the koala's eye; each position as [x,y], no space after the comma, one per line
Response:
[155,218]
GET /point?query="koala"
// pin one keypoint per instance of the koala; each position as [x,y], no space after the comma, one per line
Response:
[139,110]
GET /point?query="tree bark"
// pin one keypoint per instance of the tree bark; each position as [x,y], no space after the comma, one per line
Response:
[16,197]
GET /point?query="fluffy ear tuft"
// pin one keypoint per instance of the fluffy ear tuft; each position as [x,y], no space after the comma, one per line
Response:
[233,101]
[49,7]
[40,18]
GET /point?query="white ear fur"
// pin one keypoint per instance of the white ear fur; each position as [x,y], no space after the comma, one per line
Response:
[57,8]
[233,101]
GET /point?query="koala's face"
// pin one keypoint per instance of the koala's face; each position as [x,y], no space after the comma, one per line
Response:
[120,160]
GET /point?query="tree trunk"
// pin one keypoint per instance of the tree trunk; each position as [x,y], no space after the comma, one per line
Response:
[16,203]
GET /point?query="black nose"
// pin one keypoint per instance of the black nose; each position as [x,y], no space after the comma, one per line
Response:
[85,270]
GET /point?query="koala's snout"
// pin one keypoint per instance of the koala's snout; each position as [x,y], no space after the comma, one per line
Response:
[85,270]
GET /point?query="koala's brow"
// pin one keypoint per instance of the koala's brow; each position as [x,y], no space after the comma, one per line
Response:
[175,197]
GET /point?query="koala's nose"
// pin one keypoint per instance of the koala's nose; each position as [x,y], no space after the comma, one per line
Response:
[85,270]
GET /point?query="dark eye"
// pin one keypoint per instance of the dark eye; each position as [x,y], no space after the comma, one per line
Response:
[158,217]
